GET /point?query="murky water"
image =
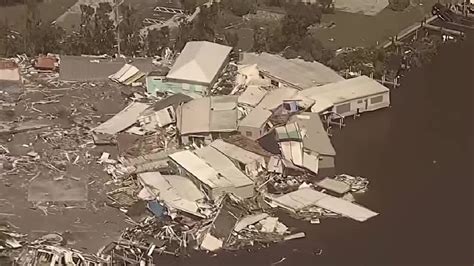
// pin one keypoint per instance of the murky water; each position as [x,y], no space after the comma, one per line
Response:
[418,156]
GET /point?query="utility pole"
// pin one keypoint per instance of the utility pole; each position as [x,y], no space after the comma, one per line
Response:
[118,20]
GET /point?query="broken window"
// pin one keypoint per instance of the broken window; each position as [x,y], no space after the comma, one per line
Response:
[242,166]
[275,83]
[377,99]
[170,113]
[343,108]
[248,133]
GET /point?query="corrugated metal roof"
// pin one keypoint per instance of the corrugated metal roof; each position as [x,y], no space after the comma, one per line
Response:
[209,114]
[346,208]
[176,191]
[173,100]
[122,120]
[224,167]
[298,72]
[248,144]
[334,185]
[252,95]
[290,131]
[315,137]
[256,118]
[346,90]
[307,197]
[200,169]
[276,97]
[292,151]
[299,199]
[237,153]
[199,62]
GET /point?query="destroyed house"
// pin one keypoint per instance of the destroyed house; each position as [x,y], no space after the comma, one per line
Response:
[220,231]
[254,125]
[46,63]
[351,96]
[162,113]
[213,172]
[294,73]
[249,162]
[281,100]
[10,79]
[195,70]
[289,142]
[315,139]
[176,192]
[307,197]
[252,95]
[202,120]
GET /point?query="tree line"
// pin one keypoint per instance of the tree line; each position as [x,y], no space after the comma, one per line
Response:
[96,35]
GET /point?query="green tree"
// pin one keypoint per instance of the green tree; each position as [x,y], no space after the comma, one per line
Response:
[314,50]
[269,38]
[130,31]
[48,39]
[327,6]
[32,24]
[157,40]
[232,38]
[104,30]
[189,5]
[297,20]
[85,38]
[10,42]
[240,7]
[398,5]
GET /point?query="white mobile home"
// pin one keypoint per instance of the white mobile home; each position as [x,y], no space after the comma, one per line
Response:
[213,172]
[351,96]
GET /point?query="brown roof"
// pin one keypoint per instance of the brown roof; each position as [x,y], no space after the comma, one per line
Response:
[45,63]
[7,64]
[249,145]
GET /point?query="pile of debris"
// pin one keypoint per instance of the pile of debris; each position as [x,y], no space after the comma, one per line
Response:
[187,172]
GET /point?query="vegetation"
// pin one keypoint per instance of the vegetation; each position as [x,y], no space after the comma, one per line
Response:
[291,36]
[364,60]
[241,7]
[399,5]
[157,41]
[95,36]
[15,2]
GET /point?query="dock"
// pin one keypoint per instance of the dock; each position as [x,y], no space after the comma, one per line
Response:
[407,32]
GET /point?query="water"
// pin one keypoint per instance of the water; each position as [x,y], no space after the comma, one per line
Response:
[418,156]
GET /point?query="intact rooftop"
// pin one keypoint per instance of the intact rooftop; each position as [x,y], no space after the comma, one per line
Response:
[298,72]
[199,62]
[346,90]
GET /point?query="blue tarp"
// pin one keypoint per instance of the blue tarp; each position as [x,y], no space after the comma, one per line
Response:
[157,208]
